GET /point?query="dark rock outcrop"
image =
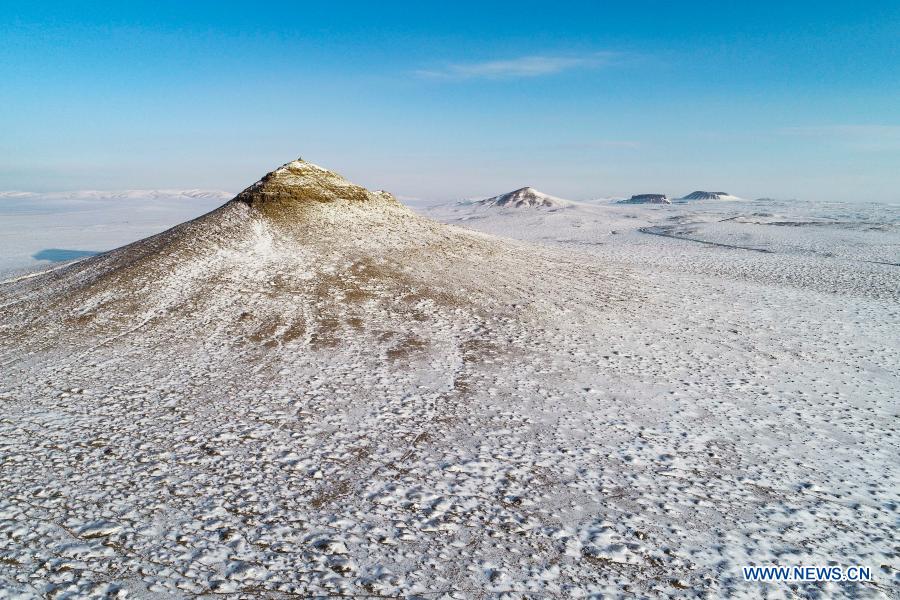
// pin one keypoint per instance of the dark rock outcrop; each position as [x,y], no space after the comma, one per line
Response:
[647,199]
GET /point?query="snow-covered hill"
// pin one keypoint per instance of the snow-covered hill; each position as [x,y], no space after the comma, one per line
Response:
[299,223]
[701,195]
[647,199]
[526,197]
[290,394]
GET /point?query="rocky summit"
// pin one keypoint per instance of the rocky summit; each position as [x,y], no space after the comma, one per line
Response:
[300,183]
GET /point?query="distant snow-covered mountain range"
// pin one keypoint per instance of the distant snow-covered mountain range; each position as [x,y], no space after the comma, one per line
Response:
[118,195]
[528,197]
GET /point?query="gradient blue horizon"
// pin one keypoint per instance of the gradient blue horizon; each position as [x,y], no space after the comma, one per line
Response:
[580,100]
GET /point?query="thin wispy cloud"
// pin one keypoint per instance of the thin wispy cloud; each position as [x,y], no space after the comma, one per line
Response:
[599,145]
[859,137]
[519,68]
[891,132]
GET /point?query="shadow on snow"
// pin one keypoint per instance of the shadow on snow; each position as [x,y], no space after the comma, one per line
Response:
[60,255]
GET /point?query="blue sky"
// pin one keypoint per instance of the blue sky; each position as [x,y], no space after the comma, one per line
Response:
[450,100]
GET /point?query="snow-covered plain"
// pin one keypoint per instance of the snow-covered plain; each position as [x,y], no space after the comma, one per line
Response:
[38,229]
[315,392]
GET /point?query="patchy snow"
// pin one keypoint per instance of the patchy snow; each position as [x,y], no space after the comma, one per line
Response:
[313,391]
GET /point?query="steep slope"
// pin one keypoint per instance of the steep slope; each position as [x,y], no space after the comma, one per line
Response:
[526,197]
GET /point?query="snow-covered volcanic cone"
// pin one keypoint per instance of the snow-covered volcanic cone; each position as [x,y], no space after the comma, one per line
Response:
[526,197]
[306,392]
[646,199]
[701,195]
[298,255]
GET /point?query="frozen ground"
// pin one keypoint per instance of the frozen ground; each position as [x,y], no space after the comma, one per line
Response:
[297,399]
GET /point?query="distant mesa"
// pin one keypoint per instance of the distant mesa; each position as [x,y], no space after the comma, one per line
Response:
[663,199]
[526,197]
[647,199]
[701,195]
